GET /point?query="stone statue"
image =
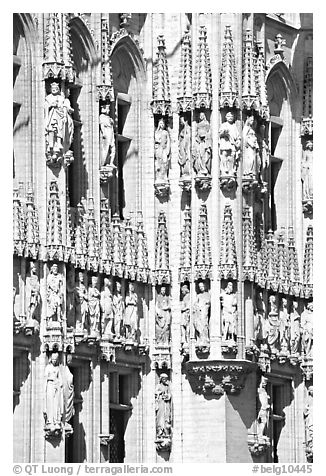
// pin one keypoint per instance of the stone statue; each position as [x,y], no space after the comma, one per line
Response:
[107,139]
[201,312]
[307,330]
[81,300]
[162,151]
[107,308]
[264,153]
[55,298]
[162,317]
[294,329]
[185,314]
[203,147]
[33,296]
[59,125]
[54,402]
[308,419]
[260,319]
[263,414]
[284,325]
[131,313]
[250,148]
[94,297]
[307,171]
[70,300]
[163,407]
[118,309]
[229,313]
[273,325]
[184,147]
[229,146]
[68,392]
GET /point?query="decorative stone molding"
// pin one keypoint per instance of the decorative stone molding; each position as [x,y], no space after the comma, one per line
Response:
[53,340]
[229,90]
[162,273]
[108,350]
[186,251]
[228,267]
[203,75]
[161,102]
[185,100]
[161,357]
[106,438]
[307,369]
[216,377]
[203,260]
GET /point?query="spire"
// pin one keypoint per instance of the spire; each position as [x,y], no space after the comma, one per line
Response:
[162,272]
[307,106]
[70,232]
[105,238]
[80,237]
[249,79]
[117,247]
[185,99]
[161,103]
[229,91]
[66,49]
[261,83]
[32,227]
[293,266]
[185,254]
[92,239]
[54,225]
[249,247]
[228,266]
[282,264]
[105,88]
[129,251]
[53,66]
[203,261]
[270,262]
[308,264]
[141,251]
[203,75]
[18,225]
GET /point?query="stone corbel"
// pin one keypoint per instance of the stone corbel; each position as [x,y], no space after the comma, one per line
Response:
[162,189]
[161,358]
[163,444]
[106,172]
[249,184]
[107,350]
[228,183]
[258,445]
[53,339]
[215,377]
[307,206]
[203,182]
[105,438]
[185,183]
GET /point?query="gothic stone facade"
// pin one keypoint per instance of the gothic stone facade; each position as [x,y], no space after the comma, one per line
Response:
[163,237]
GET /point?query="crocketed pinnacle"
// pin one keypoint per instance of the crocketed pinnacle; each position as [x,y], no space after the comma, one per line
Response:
[117,247]
[129,251]
[293,265]
[249,247]
[307,89]
[105,263]
[308,263]
[18,225]
[161,102]
[54,224]
[32,226]
[67,49]
[162,270]
[70,232]
[203,260]
[249,75]
[229,91]
[203,76]
[141,251]
[92,239]
[270,262]
[185,253]
[261,83]
[282,263]
[185,100]
[228,266]
[80,237]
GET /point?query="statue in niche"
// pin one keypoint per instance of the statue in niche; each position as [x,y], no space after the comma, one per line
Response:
[263,414]
[307,171]
[184,147]
[185,314]
[118,310]
[163,407]
[284,325]
[33,296]
[162,151]
[201,312]
[131,313]
[162,317]
[202,156]
[294,329]
[229,146]
[54,399]
[94,311]
[59,125]
[70,301]
[107,138]
[229,313]
[308,419]
[55,298]
[107,308]
[250,148]
[81,301]
[260,319]
[273,325]
[307,330]
[68,393]
[263,156]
